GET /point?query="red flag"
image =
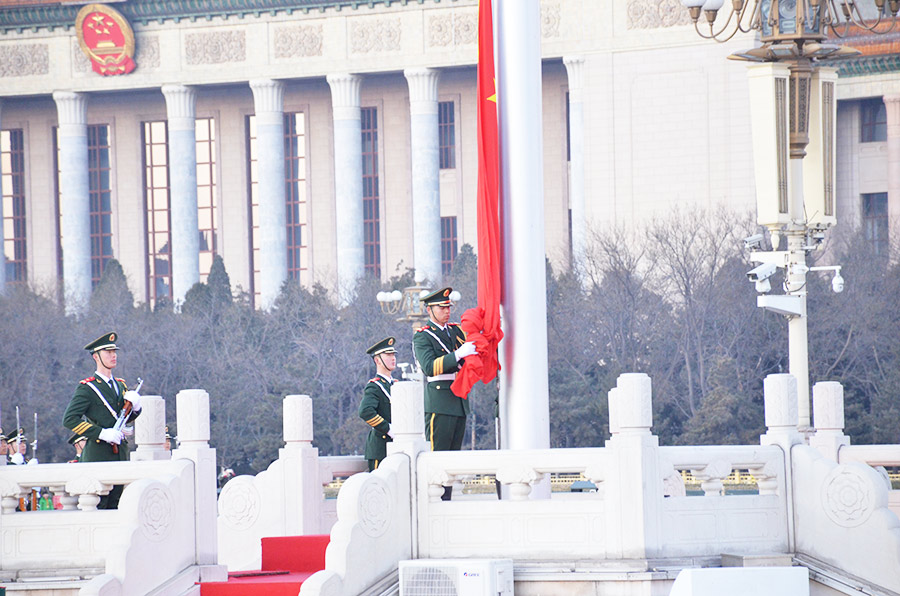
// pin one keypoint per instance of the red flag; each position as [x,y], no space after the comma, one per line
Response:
[482,324]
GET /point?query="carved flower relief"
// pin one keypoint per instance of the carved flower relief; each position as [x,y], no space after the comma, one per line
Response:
[21,60]
[156,513]
[654,14]
[375,507]
[239,502]
[219,47]
[302,41]
[452,29]
[550,20]
[375,36]
[848,497]
[147,52]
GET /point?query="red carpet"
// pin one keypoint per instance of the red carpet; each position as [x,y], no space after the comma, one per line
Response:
[286,562]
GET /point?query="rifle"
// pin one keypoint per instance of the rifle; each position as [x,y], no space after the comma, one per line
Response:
[34,442]
[18,430]
[125,413]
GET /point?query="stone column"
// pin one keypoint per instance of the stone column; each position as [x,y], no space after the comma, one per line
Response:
[192,407]
[268,100]
[150,430]
[892,108]
[426,187]
[348,192]
[633,479]
[74,202]
[184,234]
[575,70]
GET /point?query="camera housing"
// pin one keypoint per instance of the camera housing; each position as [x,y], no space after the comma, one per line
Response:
[762,272]
[753,242]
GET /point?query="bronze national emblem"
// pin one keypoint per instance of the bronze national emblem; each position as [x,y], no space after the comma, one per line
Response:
[106,38]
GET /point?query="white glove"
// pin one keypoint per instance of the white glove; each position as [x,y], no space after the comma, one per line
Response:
[135,399]
[111,436]
[467,349]
[390,433]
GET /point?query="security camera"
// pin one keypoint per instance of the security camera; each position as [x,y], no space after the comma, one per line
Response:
[753,242]
[762,272]
[837,283]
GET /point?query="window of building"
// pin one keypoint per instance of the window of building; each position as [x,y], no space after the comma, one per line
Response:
[872,121]
[99,189]
[12,185]
[156,198]
[449,248]
[875,221]
[447,135]
[207,195]
[371,220]
[295,198]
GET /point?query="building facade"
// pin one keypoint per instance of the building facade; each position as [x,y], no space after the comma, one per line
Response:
[323,140]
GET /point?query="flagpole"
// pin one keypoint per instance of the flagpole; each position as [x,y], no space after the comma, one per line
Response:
[524,385]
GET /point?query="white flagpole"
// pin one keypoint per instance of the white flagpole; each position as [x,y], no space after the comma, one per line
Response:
[524,399]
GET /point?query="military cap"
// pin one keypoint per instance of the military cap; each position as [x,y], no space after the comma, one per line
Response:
[19,436]
[437,298]
[104,342]
[75,438]
[385,346]
[2,436]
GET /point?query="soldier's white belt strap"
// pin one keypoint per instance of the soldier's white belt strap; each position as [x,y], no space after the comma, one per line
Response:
[443,377]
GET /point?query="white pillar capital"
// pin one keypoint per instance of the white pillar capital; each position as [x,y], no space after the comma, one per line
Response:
[268,96]
[423,89]
[345,97]
[71,108]
[180,106]
[575,71]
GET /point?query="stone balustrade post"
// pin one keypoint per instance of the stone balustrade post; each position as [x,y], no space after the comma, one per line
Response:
[782,423]
[192,408]
[407,419]
[828,412]
[302,485]
[150,430]
[782,417]
[633,486]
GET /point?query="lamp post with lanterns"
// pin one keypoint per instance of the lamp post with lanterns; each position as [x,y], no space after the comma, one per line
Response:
[793,110]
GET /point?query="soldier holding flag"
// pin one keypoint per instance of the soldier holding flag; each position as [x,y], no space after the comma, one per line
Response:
[94,408]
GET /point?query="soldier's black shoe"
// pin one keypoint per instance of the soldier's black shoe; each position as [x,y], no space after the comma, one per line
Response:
[448,490]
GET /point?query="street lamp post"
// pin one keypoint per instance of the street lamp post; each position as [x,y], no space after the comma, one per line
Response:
[793,111]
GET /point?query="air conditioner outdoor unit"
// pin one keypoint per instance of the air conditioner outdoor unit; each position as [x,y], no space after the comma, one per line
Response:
[456,577]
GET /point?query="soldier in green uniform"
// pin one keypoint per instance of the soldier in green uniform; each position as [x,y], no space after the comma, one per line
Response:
[93,410]
[3,457]
[440,347]
[375,407]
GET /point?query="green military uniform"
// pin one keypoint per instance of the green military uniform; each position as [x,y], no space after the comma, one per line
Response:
[375,408]
[445,413]
[94,407]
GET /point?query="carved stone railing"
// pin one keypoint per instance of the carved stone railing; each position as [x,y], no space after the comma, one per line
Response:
[287,498]
[158,535]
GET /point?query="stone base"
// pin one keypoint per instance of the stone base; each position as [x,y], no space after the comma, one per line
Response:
[766,560]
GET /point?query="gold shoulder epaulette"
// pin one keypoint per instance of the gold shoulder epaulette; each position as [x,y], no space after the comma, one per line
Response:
[87,380]
[125,385]
[423,328]
[373,380]
[453,324]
